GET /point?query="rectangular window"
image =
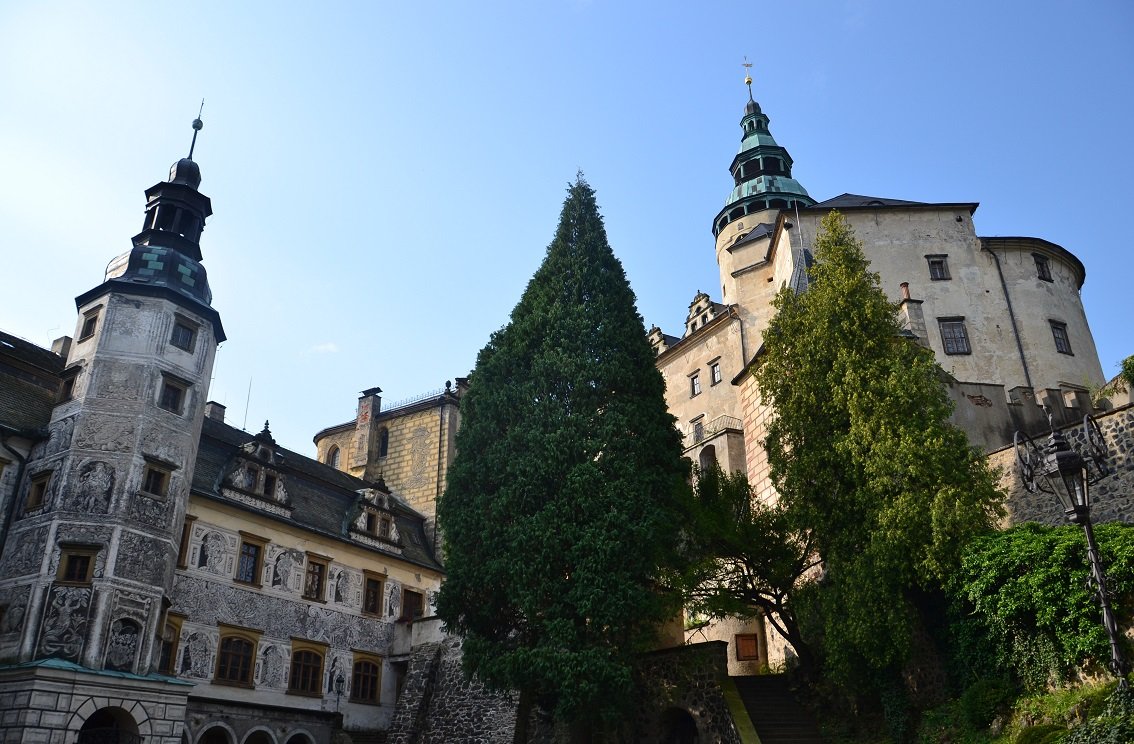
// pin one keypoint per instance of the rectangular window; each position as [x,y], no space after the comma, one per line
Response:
[76,564]
[1062,341]
[371,523]
[714,373]
[270,486]
[372,595]
[384,528]
[167,655]
[366,679]
[938,267]
[184,336]
[37,492]
[747,647]
[413,604]
[954,337]
[315,578]
[172,396]
[250,561]
[67,385]
[90,323]
[694,384]
[156,480]
[1043,267]
[698,431]
[183,549]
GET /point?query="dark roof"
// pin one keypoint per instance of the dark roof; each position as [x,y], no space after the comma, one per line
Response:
[29,383]
[858,201]
[320,496]
[762,230]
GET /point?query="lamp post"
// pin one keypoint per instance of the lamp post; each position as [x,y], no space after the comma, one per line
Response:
[1058,469]
[340,683]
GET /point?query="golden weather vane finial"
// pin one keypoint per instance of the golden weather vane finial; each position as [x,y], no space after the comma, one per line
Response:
[748,76]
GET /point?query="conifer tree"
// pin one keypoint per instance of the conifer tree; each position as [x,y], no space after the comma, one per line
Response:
[559,510]
[864,458]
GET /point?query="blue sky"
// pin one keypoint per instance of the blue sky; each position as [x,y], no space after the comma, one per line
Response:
[386,177]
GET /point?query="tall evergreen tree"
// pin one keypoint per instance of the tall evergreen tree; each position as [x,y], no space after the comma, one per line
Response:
[559,510]
[863,455]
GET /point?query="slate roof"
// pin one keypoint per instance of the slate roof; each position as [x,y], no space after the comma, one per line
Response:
[844,201]
[320,496]
[761,230]
[29,383]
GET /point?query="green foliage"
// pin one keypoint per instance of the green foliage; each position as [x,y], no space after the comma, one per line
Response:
[559,515]
[1044,733]
[1113,725]
[1027,587]
[742,556]
[862,454]
[984,699]
[1127,373]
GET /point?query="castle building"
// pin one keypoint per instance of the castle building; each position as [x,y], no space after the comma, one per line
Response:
[166,577]
[1003,316]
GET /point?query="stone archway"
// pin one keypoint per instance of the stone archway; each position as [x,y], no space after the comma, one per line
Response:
[300,738]
[678,727]
[129,716]
[216,734]
[259,736]
[109,726]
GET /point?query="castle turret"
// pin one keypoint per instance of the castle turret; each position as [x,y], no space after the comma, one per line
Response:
[96,534]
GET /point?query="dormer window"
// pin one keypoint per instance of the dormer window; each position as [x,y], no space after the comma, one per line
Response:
[269,485]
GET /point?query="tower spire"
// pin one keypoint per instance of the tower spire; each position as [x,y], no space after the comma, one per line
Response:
[747,78]
[198,125]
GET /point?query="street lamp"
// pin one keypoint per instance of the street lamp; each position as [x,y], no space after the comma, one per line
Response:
[340,683]
[1058,469]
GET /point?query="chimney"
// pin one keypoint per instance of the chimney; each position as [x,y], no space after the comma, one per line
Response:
[61,346]
[911,316]
[365,426]
[215,411]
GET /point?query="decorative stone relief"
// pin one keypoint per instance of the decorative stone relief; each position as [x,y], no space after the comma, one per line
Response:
[96,484]
[273,666]
[256,502]
[60,436]
[132,606]
[119,381]
[25,555]
[15,602]
[150,511]
[197,656]
[213,551]
[419,458]
[393,599]
[65,622]
[122,645]
[338,664]
[208,602]
[70,532]
[143,558]
[106,434]
[287,568]
[162,443]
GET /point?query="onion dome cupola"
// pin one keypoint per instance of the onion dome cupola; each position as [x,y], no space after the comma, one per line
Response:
[761,171]
[166,256]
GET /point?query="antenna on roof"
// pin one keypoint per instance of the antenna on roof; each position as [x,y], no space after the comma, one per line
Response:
[747,77]
[197,126]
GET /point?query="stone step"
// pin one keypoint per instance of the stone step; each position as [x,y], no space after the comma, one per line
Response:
[776,714]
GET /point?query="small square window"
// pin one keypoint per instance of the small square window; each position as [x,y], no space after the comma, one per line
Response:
[1043,267]
[184,336]
[413,604]
[954,336]
[67,385]
[90,323]
[37,492]
[172,396]
[747,647]
[938,267]
[76,565]
[694,385]
[715,373]
[1062,341]
[156,480]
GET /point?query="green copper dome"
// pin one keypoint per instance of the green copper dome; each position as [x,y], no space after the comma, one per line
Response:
[761,173]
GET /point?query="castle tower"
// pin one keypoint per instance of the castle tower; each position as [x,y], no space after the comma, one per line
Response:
[763,185]
[88,566]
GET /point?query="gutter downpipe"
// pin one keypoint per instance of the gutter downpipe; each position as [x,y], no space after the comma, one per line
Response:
[1011,316]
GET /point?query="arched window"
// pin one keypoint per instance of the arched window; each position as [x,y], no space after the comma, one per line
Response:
[333,456]
[234,661]
[306,672]
[366,681]
[384,443]
[708,457]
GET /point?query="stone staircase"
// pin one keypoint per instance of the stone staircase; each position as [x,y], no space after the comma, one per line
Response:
[777,716]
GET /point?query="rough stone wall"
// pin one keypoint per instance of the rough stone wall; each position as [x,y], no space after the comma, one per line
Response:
[438,705]
[686,678]
[1112,498]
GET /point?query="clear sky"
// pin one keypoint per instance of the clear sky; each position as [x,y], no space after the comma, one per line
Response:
[386,176]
